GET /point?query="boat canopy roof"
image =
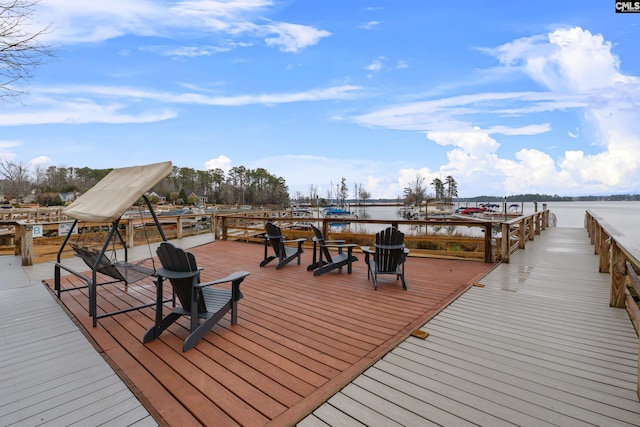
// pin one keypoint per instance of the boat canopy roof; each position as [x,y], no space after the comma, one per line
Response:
[114,194]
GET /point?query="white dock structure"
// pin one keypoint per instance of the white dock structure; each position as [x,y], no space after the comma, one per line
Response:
[538,345]
[50,374]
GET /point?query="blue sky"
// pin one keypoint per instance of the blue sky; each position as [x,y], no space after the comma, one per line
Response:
[506,97]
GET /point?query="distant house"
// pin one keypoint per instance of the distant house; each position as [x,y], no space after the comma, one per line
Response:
[162,199]
[30,198]
[202,200]
[70,196]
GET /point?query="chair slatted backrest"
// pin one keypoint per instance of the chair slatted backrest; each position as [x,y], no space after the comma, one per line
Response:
[389,246]
[274,234]
[321,242]
[176,259]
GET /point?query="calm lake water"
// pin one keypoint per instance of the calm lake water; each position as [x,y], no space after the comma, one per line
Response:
[623,216]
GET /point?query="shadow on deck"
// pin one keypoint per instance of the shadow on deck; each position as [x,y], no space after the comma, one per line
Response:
[298,341]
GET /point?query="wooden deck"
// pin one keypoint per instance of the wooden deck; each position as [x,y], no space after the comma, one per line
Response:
[298,341]
[538,345]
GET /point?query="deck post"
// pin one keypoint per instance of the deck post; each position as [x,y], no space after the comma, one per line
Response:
[24,242]
[618,275]
[604,265]
[224,227]
[530,228]
[505,247]
[179,227]
[522,233]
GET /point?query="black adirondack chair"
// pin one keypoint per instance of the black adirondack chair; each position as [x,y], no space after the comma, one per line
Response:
[281,249]
[387,256]
[323,261]
[198,300]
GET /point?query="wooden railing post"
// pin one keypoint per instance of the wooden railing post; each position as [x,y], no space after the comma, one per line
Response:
[505,247]
[618,275]
[224,227]
[530,228]
[488,257]
[522,233]
[604,265]
[24,242]
[179,227]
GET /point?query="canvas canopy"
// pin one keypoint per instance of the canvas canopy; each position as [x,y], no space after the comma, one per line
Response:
[115,193]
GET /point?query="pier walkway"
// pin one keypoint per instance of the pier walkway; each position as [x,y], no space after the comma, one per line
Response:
[537,345]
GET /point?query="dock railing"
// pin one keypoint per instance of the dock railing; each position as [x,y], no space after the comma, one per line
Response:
[620,257]
[39,241]
[442,238]
[487,240]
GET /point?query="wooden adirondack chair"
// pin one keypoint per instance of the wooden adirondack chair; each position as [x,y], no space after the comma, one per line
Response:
[282,252]
[387,256]
[323,261]
[198,300]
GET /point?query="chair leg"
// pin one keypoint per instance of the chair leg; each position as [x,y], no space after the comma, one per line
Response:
[267,260]
[157,329]
[202,329]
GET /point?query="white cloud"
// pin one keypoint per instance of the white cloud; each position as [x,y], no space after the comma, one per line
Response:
[6,147]
[40,161]
[220,162]
[94,104]
[294,37]
[375,65]
[186,51]
[81,111]
[369,25]
[239,20]
[578,72]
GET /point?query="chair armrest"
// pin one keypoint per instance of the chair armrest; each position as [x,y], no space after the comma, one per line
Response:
[233,277]
[390,247]
[367,249]
[340,245]
[169,274]
[301,239]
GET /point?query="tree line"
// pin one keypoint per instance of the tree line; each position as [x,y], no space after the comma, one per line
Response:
[238,186]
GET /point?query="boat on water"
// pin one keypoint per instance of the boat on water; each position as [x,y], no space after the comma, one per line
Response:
[298,212]
[333,212]
[489,211]
[431,210]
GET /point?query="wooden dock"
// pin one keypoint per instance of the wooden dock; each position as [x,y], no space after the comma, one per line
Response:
[299,338]
[537,345]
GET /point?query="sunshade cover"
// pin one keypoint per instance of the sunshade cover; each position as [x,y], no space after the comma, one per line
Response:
[114,194]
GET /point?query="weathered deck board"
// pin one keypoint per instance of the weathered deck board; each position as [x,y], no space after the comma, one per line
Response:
[49,372]
[299,338]
[538,345]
